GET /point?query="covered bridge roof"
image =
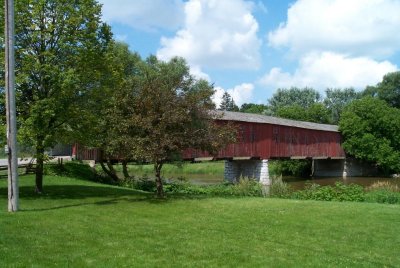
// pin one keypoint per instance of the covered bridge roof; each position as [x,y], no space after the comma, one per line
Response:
[264,119]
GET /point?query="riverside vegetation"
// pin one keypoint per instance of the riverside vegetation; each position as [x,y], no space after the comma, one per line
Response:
[379,192]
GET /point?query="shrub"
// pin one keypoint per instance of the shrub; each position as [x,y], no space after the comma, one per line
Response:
[247,187]
[383,196]
[339,192]
[144,184]
[244,187]
[383,185]
[383,192]
[279,188]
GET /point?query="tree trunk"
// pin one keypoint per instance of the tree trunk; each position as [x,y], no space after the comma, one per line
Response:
[159,184]
[39,166]
[125,169]
[109,170]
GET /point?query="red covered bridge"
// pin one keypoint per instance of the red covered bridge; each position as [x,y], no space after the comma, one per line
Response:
[266,137]
[261,138]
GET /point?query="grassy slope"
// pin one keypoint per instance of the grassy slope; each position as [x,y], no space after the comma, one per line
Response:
[79,223]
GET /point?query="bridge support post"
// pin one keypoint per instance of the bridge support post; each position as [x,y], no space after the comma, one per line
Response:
[256,169]
[230,171]
[344,169]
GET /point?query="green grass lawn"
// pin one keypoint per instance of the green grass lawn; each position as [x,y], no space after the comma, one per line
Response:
[83,224]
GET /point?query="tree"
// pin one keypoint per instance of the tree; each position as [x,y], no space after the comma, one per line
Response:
[388,89]
[294,96]
[113,132]
[337,99]
[253,108]
[228,104]
[316,112]
[170,111]
[60,46]
[371,132]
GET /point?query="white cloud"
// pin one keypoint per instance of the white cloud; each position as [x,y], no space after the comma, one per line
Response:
[356,27]
[216,34]
[241,94]
[198,73]
[144,14]
[327,70]
[217,97]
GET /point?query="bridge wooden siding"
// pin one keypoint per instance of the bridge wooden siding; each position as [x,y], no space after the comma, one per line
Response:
[265,137]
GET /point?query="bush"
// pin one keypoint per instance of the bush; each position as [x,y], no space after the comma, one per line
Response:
[383,192]
[143,184]
[247,187]
[383,196]
[384,185]
[279,188]
[339,192]
[244,187]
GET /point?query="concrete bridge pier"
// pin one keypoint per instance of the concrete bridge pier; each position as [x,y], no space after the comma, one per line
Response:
[344,167]
[256,169]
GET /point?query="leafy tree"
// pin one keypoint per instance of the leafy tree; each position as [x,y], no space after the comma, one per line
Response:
[113,133]
[294,96]
[337,99]
[388,89]
[371,131]
[253,108]
[165,111]
[316,112]
[228,104]
[60,46]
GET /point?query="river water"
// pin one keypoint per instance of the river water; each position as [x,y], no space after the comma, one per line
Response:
[297,183]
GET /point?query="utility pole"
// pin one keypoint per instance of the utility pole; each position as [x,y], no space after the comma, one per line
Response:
[13,192]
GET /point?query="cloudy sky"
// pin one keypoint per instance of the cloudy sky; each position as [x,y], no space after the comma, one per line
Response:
[250,48]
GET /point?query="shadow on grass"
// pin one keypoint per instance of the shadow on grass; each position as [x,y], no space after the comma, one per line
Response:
[84,193]
[77,192]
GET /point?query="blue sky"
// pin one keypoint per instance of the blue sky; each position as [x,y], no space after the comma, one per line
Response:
[250,48]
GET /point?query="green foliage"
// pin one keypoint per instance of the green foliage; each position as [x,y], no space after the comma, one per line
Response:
[336,100]
[244,187]
[162,112]
[304,98]
[316,112]
[227,103]
[371,132]
[383,192]
[382,196]
[388,89]
[59,59]
[279,188]
[247,187]
[254,108]
[298,168]
[339,192]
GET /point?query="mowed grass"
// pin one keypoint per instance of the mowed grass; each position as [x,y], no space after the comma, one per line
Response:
[83,224]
